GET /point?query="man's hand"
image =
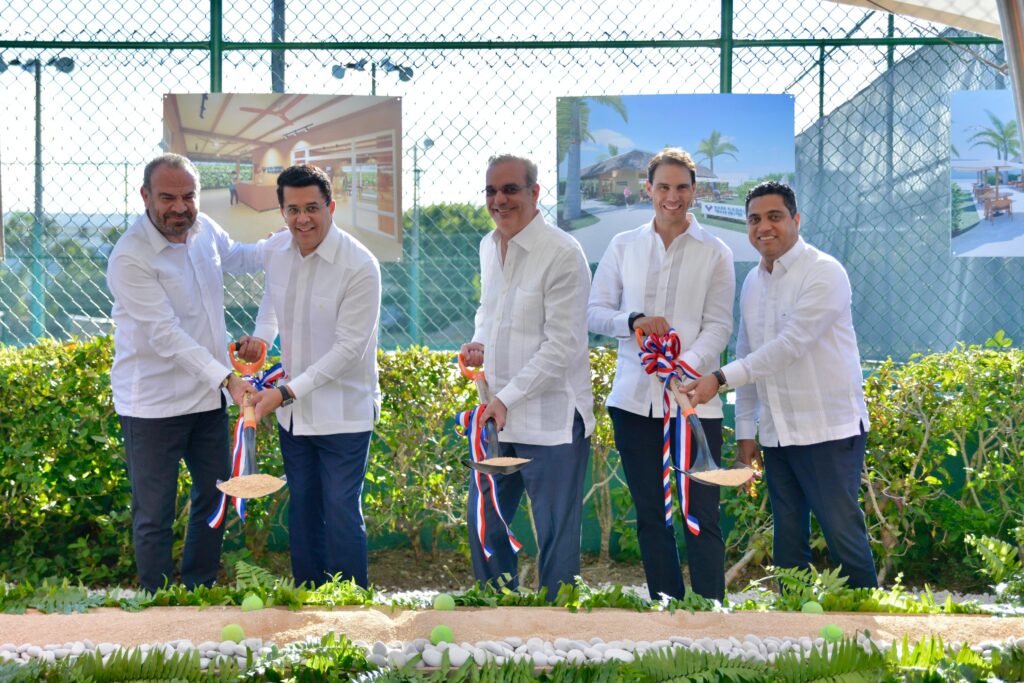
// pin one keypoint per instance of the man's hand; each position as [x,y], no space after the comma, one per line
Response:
[652,324]
[497,411]
[267,401]
[472,354]
[702,390]
[238,388]
[749,454]
[249,349]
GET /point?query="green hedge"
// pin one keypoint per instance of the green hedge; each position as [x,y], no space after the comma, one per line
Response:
[944,460]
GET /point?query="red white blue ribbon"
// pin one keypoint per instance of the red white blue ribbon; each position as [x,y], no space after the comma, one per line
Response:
[662,356]
[260,381]
[468,424]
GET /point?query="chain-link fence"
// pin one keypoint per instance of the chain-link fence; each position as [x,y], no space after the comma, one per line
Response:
[81,112]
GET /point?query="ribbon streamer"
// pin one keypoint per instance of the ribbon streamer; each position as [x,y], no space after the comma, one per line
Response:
[468,424]
[260,381]
[662,356]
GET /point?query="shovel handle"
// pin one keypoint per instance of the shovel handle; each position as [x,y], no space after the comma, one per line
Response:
[244,367]
[248,412]
[478,377]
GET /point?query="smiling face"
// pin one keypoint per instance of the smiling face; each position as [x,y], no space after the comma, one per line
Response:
[671,194]
[172,201]
[308,216]
[772,229]
[511,211]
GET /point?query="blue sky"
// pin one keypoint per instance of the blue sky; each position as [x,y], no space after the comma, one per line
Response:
[968,110]
[760,126]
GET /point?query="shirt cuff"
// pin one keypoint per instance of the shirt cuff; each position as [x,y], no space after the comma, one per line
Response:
[509,396]
[620,323]
[301,385]
[745,429]
[736,374]
[215,372]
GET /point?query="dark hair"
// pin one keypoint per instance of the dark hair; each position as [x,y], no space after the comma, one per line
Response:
[773,187]
[531,168]
[672,155]
[172,160]
[303,176]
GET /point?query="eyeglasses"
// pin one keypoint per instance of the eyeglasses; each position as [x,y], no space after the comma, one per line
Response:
[509,189]
[312,210]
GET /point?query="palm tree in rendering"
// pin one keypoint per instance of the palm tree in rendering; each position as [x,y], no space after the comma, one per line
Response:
[1001,136]
[714,146]
[572,120]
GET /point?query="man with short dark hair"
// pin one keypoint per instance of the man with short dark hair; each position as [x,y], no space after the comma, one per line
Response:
[530,334]
[322,295]
[170,365]
[799,389]
[669,273]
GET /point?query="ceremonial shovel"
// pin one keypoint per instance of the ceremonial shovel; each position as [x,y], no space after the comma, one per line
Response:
[703,470]
[493,463]
[252,484]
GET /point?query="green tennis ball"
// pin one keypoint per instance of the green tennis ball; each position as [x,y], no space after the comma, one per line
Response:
[441,633]
[832,633]
[251,603]
[812,607]
[444,602]
[232,632]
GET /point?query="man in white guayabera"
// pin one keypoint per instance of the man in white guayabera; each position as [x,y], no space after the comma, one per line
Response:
[531,337]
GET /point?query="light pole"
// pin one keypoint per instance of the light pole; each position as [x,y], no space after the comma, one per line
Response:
[414,242]
[386,65]
[38,286]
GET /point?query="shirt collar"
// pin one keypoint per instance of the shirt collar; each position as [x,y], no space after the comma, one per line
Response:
[528,236]
[327,249]
[695,229]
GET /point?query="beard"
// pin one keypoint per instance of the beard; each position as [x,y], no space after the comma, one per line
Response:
[172,224]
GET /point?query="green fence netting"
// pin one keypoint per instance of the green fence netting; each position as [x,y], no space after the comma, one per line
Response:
[872,135]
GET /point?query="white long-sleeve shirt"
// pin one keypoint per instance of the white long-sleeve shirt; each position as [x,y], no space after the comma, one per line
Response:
[170,341]
[326,306]
[691,284]
[532,323]
[797,371]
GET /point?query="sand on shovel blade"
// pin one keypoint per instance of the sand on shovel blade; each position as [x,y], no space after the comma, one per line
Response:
[251,485]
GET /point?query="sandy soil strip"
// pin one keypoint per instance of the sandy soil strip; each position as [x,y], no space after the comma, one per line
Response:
[161,624]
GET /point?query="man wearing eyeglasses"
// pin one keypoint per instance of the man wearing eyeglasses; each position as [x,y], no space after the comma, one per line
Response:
[322,296]
[531,337]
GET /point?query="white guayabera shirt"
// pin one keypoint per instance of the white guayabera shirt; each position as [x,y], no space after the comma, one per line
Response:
[691,284]
[798,368]
[327,306]
[170,342]
[532,323]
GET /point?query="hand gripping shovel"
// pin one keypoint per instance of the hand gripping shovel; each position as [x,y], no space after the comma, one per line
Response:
[703,470]
[246,481]
[493,462]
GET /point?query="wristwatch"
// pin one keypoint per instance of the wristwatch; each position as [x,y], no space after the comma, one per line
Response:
[286,396]
[224,382]
[633,317]
[720,376]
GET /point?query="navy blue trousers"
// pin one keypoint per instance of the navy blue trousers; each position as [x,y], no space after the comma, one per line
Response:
[823,478]
[639,441]
[154,447]
[554,482]
[326,531]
